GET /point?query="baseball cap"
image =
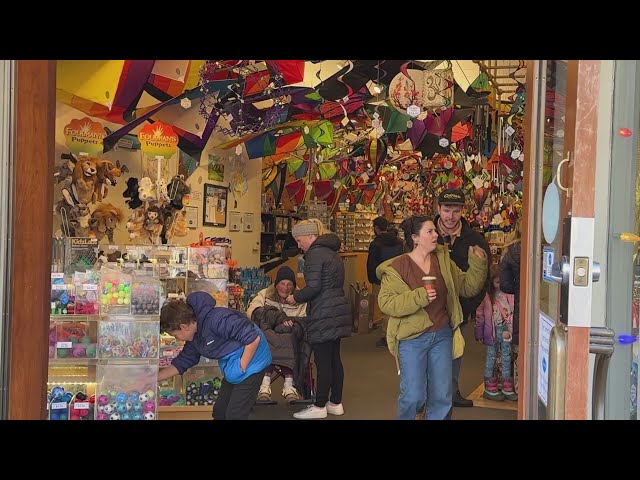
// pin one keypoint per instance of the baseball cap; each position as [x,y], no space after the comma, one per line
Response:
[451,196]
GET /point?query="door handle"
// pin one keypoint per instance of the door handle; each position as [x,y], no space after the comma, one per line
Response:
[560,271]
[558,178]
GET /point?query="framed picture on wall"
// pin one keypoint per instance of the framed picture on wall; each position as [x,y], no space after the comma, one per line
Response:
[214,206]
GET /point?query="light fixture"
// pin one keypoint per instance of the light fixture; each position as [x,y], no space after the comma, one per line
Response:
[376,88]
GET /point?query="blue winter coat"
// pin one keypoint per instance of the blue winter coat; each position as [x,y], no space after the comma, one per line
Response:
[222,334]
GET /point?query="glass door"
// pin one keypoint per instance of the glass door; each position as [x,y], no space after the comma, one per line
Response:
[554,187]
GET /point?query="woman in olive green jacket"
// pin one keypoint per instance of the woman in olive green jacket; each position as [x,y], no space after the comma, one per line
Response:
[423,319]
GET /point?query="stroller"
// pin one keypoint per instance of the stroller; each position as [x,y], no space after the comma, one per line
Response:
[290,349]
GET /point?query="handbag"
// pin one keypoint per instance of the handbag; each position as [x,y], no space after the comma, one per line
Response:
[458,343]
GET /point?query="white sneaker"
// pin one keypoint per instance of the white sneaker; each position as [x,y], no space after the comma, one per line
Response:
[311,412]
[264,395]
[334,408]
[290,394]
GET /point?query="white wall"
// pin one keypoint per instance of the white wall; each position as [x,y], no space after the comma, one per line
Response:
[246,245]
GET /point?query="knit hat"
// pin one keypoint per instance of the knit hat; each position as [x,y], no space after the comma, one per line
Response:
[304,229]
[285,273]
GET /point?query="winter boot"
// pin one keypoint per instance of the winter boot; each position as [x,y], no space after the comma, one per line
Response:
[508,391]
[491,391]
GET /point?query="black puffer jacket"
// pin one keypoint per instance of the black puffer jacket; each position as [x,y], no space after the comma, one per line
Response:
[328,310]
[385,246]
[510,283]
[460,255]
[287,345]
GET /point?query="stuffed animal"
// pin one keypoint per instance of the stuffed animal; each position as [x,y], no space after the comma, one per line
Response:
[106,175]
[153,222]
[177,225]
[64,173]
[104,220]
[177,189]
[132,193]
[163,195]
[135,224]
[84,178]
[146,192]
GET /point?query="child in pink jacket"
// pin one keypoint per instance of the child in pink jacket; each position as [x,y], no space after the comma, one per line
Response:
[494,328]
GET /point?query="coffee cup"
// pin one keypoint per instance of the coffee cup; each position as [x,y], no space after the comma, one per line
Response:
[429,282]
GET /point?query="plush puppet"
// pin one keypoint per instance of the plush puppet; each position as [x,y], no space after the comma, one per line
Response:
[146,190]
[132,193]
[135,224]
[177,189]
[84,179]
[104,220]
[106,175]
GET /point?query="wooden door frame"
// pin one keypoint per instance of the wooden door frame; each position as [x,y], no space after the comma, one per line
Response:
[28,329]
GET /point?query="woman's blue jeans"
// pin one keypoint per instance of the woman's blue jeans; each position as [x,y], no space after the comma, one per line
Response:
[425,374]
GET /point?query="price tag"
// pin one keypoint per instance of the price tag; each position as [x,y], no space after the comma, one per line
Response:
[57,275]
[89,286]
[129,265]
[64,345]
[413,111]
[81,405]
[113,247]
[167,353]
[477,181]
[58,405]
[163,247]
[510,130]
[59,286]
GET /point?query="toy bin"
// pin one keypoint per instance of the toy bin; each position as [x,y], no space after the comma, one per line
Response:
[202,384]
[208,262]
[70,402]
[145,296]
[128,338]
[87,285]
[171,392]
[75,339]
[217,288]
[115,292]
[126,391]
[169,349]
[62,295]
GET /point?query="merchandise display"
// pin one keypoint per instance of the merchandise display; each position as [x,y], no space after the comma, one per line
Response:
[126,391]
[115,349]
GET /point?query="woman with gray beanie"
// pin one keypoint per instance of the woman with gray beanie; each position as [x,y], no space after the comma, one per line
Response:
[328,313]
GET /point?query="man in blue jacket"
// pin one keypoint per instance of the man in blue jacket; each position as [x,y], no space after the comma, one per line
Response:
[219,333]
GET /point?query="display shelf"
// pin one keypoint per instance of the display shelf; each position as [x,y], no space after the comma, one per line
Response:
[185,408]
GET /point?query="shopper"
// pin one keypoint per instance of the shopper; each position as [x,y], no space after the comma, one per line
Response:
[384,246]
[328,314]
[510,283]
[456,233]
[277,319]
[423,318]
[494,328]
[223,334]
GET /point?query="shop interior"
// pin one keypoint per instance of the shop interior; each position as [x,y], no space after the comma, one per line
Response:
[174,176]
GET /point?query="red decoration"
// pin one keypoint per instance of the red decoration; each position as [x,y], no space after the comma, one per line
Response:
[624,132]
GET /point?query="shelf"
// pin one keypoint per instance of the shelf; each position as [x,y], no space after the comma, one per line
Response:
[62,362]
[185,408]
